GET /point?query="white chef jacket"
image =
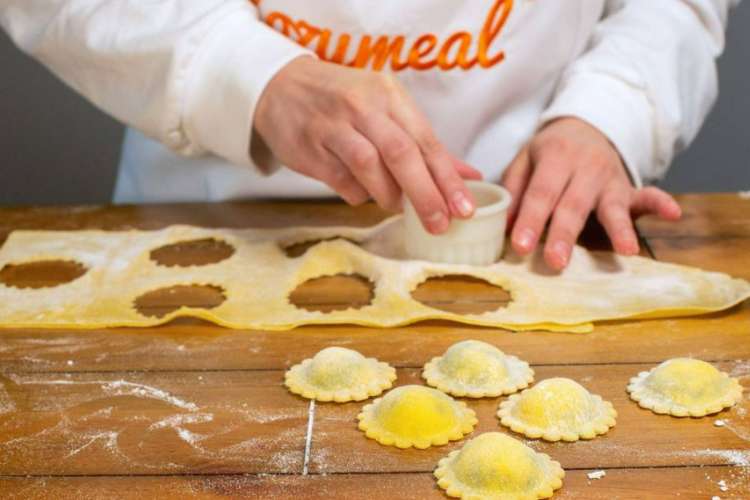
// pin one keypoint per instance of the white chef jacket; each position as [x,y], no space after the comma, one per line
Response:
[186,76]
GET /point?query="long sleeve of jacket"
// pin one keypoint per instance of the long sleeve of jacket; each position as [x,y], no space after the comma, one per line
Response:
[188,73]
[648,78]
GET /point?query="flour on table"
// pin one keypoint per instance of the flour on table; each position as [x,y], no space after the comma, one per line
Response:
[6,403]
[182,419]
[597,474]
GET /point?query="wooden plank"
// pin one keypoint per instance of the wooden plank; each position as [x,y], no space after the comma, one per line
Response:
[690,483]
[192,345]
[158,423]
[640,438]
[238,215]
[246,422]
[727,255]
[704,215]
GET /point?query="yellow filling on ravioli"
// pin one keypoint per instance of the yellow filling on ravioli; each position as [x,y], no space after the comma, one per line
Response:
[339,374]
[557,409]
[685,387]
[496,466]
[417,416]
[477,369]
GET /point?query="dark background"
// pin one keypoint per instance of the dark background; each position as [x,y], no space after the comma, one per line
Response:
[56,148]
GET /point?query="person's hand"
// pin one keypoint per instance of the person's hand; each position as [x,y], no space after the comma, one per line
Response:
[568,170]
[361,134]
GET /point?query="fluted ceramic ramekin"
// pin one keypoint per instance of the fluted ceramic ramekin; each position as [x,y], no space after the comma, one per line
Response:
[477,241]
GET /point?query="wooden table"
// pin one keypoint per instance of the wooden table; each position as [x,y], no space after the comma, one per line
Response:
[192,410]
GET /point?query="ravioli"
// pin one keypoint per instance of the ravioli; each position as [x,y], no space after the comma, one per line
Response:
[256,277]
[557,409]
[494,466]
[416,416]
[477,369]
[684,387]
[340,375]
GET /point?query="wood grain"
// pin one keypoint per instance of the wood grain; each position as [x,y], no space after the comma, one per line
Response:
[191,410]
[726,255]
[688,483]
[713,216]
[191,345]
[246,422]
[150,423]
[640,438]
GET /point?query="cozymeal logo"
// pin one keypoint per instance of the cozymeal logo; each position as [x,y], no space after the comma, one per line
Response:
[460,50]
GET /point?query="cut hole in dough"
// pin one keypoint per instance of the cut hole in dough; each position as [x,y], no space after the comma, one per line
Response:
[41,274]
[339,374]
[461,294]
[192,253]
[557,409]
[299,249]
[684,387]
[159,303]
[333,293]
[418,416]
[496,466]
[477,369]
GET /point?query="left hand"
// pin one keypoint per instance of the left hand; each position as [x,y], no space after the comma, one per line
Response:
[568,170]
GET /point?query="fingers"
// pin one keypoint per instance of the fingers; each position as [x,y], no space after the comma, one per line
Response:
[515,179]
[652,200]
[569,219]
[544,190]
[343,182]
[403,158]
[440,164]
[442,168]
[614,214]
[365,171]
[467,172]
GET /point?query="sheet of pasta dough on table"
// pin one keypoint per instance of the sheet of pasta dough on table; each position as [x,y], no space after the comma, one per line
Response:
[257,278]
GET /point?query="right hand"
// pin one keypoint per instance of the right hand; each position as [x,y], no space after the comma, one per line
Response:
[361,134]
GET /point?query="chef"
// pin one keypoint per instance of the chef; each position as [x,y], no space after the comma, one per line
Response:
[572,105]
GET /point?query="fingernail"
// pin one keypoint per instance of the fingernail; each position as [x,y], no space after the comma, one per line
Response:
[463,205]
[437,223]
[562,251]
[525,239]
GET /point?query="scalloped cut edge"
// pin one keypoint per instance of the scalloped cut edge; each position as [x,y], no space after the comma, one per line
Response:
[295,381]
[432,375]
[598,427]
[468,420]
[554,477]
[660,405]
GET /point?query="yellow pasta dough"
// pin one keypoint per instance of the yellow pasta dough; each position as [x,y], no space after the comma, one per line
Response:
[494,466]
[557,409]
[339,374]
[684,387]
[477,369]
[418,416]
[257,277]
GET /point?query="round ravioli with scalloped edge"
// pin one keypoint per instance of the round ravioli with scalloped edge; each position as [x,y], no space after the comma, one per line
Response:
[557,409]
[494,466]
[416,416]
[476,369]
[684,387]
[340,375]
